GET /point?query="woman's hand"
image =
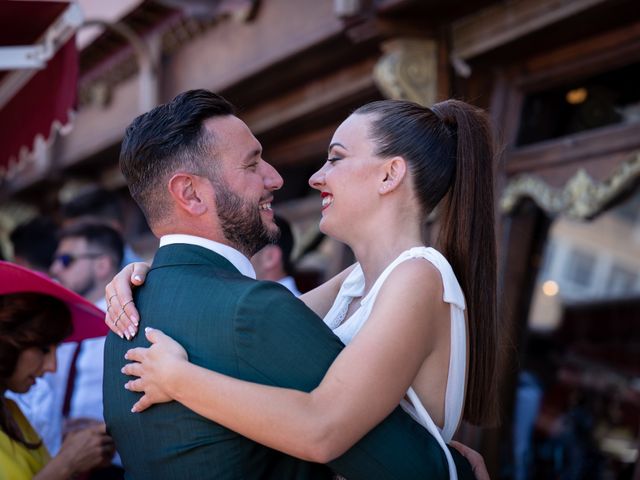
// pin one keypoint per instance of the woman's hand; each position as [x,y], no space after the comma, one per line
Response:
[155,368]
[88,448]
[122,317]
[81,451]
[474,458]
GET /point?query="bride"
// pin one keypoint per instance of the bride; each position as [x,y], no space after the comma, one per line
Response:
[419,323]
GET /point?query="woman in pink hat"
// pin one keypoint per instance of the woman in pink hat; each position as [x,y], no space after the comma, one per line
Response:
[32,324]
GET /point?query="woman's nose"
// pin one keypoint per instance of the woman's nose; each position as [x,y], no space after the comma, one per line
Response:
[317,179]
[50,363]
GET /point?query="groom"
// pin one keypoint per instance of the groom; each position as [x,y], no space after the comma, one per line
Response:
[197,172]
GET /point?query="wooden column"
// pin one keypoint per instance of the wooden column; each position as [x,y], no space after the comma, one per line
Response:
[522,240]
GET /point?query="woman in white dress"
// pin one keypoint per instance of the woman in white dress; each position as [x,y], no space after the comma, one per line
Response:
[419,324]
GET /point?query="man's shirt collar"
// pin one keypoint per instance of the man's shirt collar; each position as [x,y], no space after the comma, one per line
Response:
[236,258]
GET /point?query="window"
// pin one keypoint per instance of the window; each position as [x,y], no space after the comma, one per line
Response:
[605,99]
[547,261]
[621,280]
[580,268]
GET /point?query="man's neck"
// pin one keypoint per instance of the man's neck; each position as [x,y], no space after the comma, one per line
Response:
[96,294]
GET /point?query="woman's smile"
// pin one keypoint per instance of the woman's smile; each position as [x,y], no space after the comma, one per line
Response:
[327,200]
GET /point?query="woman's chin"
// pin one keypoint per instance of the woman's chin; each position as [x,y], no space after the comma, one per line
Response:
[332,231]
[23,388]
[322,226]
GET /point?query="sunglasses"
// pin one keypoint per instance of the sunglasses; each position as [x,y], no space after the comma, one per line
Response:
[66,259]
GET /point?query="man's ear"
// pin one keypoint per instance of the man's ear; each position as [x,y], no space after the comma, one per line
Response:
[266,258]
[394,171]
[273,256]
[189,193]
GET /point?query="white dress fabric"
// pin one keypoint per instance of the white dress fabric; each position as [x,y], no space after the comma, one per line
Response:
[353,287]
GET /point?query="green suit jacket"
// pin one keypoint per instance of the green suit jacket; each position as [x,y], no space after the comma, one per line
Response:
[255,331]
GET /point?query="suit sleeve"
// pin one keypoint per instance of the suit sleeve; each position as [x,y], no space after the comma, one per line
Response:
[279,341]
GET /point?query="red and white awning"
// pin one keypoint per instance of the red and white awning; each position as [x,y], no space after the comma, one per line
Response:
[38,75]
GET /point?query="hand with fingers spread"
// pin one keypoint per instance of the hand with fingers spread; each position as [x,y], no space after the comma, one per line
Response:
[155,368]
[122,316]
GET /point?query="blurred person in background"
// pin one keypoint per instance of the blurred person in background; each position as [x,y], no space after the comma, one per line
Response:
[34,243]
[87,257]
[273,262]
[32,324]
[538,372]
[98,205]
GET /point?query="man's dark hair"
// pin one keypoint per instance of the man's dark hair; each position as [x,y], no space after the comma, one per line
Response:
[106,239]
[99,203]
[285,242]
[169,137]
[36,242]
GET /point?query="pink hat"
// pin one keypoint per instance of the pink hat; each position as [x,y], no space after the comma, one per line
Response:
[88,320]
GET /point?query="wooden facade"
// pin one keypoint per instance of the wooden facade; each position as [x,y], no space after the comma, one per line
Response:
[295,69]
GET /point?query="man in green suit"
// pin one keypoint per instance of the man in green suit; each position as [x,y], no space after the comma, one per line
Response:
[197,172]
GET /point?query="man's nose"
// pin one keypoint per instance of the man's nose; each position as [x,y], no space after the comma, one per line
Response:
[272,179]
[55,268]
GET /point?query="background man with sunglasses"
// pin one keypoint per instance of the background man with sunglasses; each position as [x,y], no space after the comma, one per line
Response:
[87,257]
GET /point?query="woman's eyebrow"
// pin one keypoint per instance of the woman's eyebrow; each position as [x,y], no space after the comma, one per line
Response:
[336,144]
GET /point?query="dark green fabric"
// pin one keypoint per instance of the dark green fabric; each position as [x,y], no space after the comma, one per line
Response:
[255,331]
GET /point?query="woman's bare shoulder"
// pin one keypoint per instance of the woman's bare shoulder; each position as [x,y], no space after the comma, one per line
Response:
[417,275]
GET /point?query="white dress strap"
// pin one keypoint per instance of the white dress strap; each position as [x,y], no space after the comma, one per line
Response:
[420,415]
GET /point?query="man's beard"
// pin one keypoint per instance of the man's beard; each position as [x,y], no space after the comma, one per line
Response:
[87,287]
[241,222]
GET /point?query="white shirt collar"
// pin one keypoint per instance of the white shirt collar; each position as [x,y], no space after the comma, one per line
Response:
[290,284]
[236,258]
[101,304]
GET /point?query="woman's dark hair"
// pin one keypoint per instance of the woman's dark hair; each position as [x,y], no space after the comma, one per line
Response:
[27,320]
[450,154]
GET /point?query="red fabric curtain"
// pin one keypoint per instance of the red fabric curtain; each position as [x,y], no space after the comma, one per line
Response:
[50,94]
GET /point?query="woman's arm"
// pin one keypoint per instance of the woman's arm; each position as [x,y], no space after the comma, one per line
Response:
[363,385]
[321,298]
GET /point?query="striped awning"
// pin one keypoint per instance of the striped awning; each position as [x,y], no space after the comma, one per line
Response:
[38,75]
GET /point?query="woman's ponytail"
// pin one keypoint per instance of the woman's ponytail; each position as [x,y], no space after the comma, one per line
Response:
[467,239]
